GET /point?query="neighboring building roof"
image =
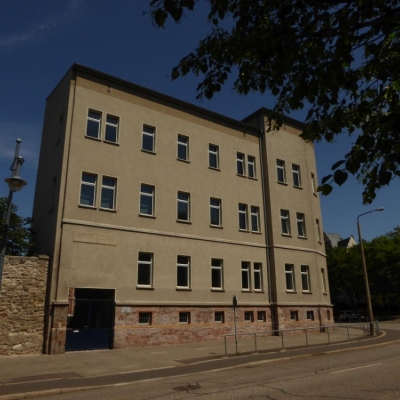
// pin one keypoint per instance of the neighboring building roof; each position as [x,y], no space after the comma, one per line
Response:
[347,243]
[335,240]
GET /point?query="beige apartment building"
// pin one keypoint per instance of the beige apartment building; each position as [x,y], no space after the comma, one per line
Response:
[156,212]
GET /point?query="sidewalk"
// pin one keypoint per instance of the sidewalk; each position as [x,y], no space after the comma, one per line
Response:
[21,376]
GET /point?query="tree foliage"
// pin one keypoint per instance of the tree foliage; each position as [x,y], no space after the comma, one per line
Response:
[338,58]
[346,279]
[19,238]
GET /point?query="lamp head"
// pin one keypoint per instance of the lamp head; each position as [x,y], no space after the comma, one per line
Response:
[15,183]
[379,209]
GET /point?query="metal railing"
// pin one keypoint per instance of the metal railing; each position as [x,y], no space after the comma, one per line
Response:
[286,338]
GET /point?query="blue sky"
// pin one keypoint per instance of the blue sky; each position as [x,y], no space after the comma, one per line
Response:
[40,40]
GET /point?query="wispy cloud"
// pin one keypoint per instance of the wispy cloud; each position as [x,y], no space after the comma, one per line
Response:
[34,31]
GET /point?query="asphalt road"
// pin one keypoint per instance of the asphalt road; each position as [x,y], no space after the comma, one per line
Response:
[371,373]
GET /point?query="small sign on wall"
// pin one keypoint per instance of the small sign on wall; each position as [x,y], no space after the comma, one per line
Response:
[125,310]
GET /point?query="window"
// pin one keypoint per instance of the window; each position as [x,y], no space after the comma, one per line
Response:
[294,316]
[280,170]
[108,188]
[183,148]
[215,212]
[216,274]
[111,134]
[318,227]
[248,316]
[255,219]
[183,206]
[323,281]
[251,167]
[148,138]
[310,315]
[261,316]
[328,315]
[93,124]
[289,277]
[305,278]
[219,317]
[243,217]
[145,269]
[257,272]
[285,221]
[245,275]
[301,226]
[146,199]
[184,317]
[296,175]
[145,318]
[183,272]
[213,156]
[240,164]
[88,190]
[313,186]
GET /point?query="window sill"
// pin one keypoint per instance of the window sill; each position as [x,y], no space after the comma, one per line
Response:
[112,143]
[315,194]
[216,226]
[303,237]
[247,291]
[108,209]
[93,138]
[256,232]
[286,235]
[291,291]
[282,183]
[215,169]
[147,216]
[306,292]
[217,290]
[148,151]
[88,207]
[183,289]
[241,175]
[326,294]
[244,230]
[258,291]
[298,187]
[319,242]
[139,287]
[182,221]
[253,178]
[185,161]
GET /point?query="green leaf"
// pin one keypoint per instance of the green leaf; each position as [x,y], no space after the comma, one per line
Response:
[337,164]
[340,177]
[325,189]
[325,179]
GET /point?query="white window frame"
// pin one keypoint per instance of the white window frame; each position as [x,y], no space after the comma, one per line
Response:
[242,209]
[289,274]
[182,265]
[185,146]
[323,281]
[98,121]
[90,184]
[186,203]
[148,264]
[109,188]
[245,273]
[251,166]
[248,316]
[240,164]
[257,272]
[144,318]
[313,186]
[296,174]
[255,217]
[112,125]
[151,195]
[221,317]
[213,153]
[305,278]
[217,266]
[150,134]
[285,219]
[318,227]
[184,317]
[281,168]
[216,207]
[301,225]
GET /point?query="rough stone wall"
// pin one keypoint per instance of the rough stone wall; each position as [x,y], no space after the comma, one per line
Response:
[165,327]
[22,305]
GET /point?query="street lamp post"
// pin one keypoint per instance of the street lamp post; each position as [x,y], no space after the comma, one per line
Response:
[369,304]
[15,183]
